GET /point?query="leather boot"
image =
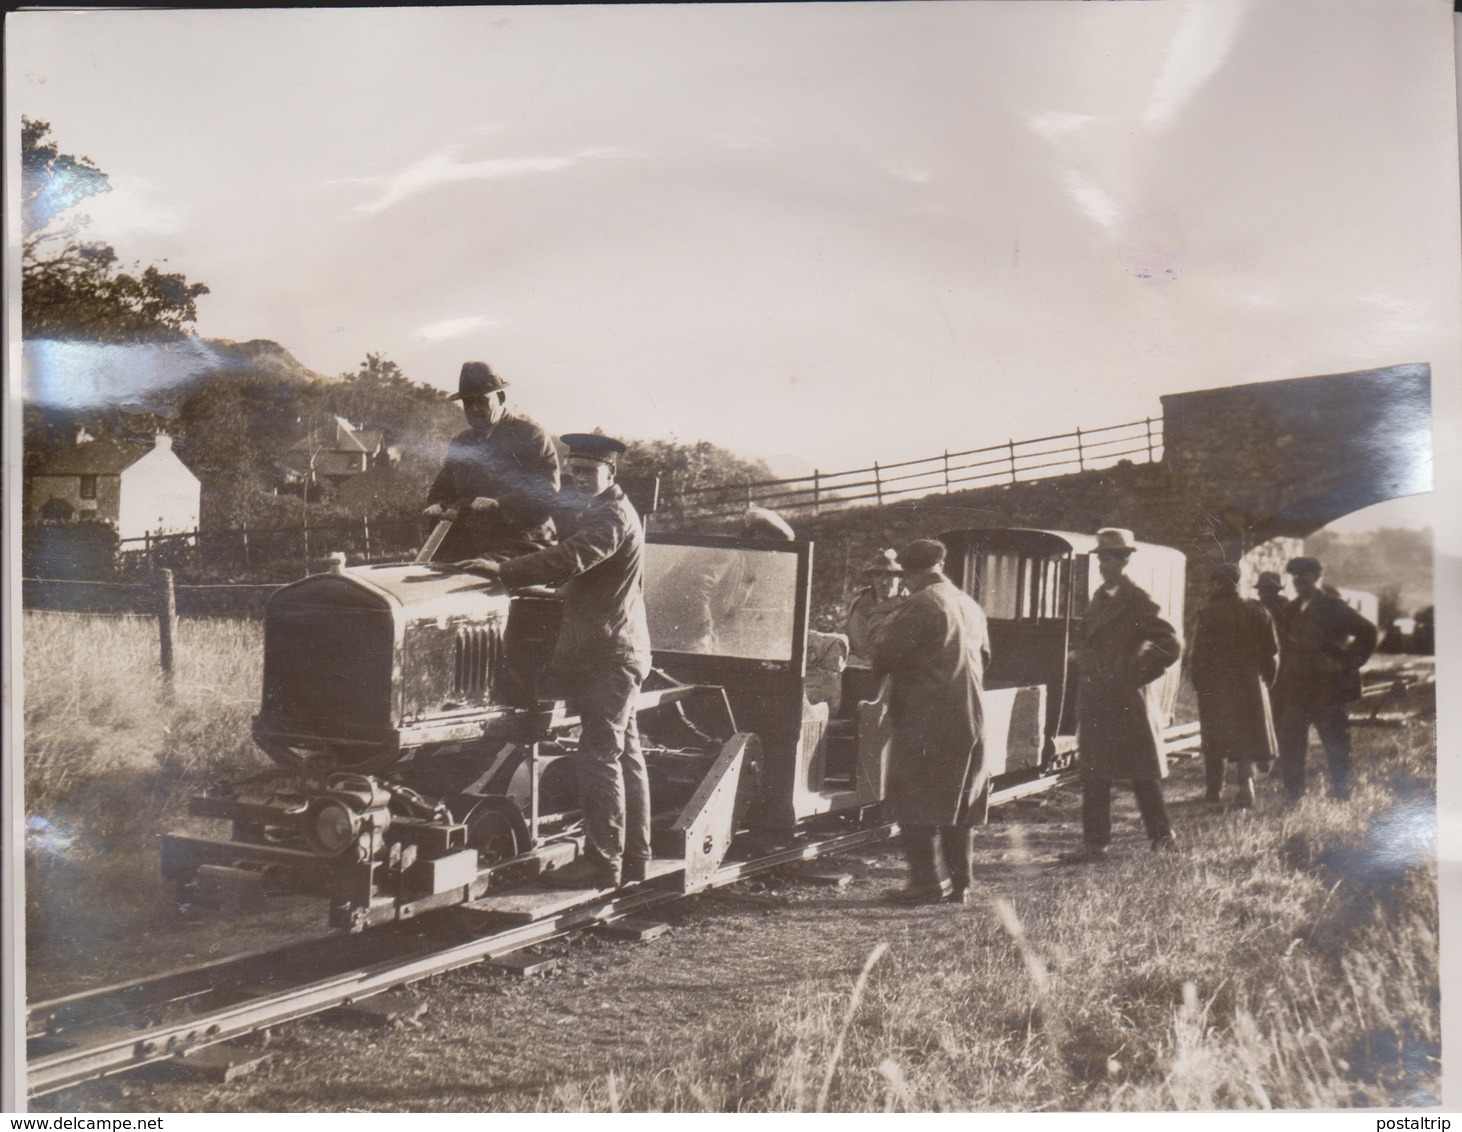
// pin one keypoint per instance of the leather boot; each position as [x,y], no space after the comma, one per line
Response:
[959,850]
[921,850]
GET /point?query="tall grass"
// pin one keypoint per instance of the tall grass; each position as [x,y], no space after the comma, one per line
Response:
[1284,960]
[112,750]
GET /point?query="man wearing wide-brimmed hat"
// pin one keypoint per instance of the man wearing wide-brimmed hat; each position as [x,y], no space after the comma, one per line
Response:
[602,656]
[500,478]
[1125,645]
[872,605]
[1322,645]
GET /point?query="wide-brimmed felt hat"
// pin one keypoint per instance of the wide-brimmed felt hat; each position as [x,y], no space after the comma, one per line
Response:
[476,380]
[884,562]
[594,446]
[1115,540]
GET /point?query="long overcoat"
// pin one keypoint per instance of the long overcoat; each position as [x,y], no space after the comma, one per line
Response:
[935,646]
[1232,663]
[1125,645]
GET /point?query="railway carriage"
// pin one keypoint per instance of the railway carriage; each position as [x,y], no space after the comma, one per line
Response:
[421,757]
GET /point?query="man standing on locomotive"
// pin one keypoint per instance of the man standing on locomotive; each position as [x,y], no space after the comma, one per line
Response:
[602,655]
[935,646]
[1125,645]
[500,477]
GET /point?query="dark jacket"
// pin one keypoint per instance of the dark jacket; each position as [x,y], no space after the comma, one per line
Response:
[601,563]
[935,645]
[517,465]
[1125,645]
[1322,645]
[1232,662]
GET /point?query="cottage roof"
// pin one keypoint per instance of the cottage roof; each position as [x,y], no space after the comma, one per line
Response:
[102,457]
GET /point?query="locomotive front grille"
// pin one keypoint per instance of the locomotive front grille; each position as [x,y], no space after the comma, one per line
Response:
[478,655]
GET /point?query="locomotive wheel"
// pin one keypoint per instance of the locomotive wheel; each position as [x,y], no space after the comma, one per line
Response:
[493,834]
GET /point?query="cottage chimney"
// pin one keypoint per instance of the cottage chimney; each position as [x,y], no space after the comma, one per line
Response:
[83,437]
[162,442]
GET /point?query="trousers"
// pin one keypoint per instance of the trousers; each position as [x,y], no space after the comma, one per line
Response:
[1096,809]
[612,774]
[933,849]
[1293,734]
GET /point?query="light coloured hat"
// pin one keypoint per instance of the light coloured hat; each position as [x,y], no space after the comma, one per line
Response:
[1115,540]
[884,562]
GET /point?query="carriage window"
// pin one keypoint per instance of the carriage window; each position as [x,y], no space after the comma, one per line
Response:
[721,601]
[1014,587]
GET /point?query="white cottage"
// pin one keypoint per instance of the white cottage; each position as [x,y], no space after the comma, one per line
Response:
[140,490]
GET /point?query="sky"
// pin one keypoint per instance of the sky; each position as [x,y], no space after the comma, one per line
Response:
[821,234]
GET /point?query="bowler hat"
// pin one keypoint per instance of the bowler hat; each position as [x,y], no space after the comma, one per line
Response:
[476,380]
[594,446]
[1303,565]
[1115,540]
[1269,580]
[885,562]
[923,554]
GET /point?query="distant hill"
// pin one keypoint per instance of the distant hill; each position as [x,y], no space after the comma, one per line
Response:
[1396,558]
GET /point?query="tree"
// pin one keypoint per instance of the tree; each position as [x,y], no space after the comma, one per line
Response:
[74,288]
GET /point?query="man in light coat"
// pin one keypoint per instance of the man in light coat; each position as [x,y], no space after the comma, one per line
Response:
[1322,645]
[935,647]
[1232,664]
[1125,645]
[873,604]
[601,658]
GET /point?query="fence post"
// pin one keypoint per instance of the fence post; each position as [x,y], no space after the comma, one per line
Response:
[748,493]
[167,619]
[1149,439]
[946,471]
[816,491]
[1011,445]
[878,483]
[365,521]
[246,548]
[1080,455]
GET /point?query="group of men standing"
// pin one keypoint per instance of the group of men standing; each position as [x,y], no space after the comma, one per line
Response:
[1251,663]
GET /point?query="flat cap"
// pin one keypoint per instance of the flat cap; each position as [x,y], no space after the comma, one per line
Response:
[593,446]
[1303,565]
[923,554]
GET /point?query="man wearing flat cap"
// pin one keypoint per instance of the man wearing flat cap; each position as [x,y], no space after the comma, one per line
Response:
[1125,645]
[1322,645]
[1232,665]
[873,603]
[500,478]
[935,647]
[602,656]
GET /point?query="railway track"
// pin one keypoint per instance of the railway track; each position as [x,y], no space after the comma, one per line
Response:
[171,1017]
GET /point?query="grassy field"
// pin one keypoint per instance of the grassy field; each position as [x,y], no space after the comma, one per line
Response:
[1282,960]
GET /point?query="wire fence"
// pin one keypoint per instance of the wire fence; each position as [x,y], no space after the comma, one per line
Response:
[299,548]
[1015,461]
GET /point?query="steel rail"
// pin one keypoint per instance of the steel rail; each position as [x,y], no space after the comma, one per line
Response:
[49,1073]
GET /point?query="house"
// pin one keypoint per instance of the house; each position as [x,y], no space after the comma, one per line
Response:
[328,457]
[137,488]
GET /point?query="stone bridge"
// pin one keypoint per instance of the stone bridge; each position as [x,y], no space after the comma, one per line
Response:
[1247,472]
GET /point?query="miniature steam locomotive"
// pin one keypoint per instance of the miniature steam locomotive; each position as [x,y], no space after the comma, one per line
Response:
[422,760]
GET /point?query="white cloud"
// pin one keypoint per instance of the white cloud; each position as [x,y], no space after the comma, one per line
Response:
[453,328]
[132,208]
[444,168]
